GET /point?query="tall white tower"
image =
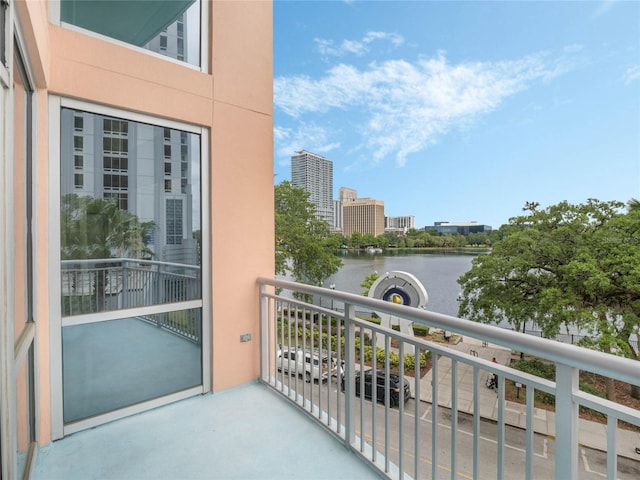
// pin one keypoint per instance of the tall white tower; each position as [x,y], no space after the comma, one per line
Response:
[314,174]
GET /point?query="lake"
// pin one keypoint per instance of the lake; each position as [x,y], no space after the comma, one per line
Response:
[438,272]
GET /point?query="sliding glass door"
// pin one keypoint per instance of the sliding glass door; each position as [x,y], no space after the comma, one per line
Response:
[131,256]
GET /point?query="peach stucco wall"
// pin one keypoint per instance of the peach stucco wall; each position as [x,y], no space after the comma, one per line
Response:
[242,182]
[234,100]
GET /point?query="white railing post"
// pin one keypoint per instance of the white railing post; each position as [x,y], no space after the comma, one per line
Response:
[126,301]
[566,423]
[349,368]
[264,334]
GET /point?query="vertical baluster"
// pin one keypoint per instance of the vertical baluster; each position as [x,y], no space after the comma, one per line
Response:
[387,399]
[500,460]
[434,417]
[349,353]
[454,416]
[566,423]
[401,412]
[126,301]
[374,393]
[529,432]
[476,422]
[416,413]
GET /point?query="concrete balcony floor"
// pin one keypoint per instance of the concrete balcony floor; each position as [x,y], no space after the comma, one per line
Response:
[247,432]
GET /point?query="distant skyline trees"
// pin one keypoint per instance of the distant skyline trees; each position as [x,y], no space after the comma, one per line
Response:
[415,238]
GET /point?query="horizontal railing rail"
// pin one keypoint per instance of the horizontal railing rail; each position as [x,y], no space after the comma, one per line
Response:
[394,440]
[97,285]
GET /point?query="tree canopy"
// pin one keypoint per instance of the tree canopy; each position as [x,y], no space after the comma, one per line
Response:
[304,245]
[564,265]
[98,228]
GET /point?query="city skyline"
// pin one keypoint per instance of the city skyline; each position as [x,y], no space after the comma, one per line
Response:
[462,111]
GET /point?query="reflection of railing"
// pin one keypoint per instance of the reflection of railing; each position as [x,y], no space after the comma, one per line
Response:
[97,285]
[399,441]
[91,286]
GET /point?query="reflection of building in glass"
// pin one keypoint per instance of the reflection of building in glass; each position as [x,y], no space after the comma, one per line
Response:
[314,174]
[146,168]
[171,41]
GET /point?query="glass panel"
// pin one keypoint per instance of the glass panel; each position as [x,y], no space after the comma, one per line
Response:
[25,410]
[3,33]
[110,365]
[129,233]
[21,197]
[170,28]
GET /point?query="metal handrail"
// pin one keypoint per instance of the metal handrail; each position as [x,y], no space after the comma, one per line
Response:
[571,355]
[89,261]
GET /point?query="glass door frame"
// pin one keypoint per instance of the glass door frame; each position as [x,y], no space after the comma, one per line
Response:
[59,429]
[18,347]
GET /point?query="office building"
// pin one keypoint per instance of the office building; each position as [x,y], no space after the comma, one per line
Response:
[314,174]
[363,215]
[462,228]
[403,223]
[347,195]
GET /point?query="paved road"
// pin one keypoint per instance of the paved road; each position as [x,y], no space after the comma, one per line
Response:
[592,462]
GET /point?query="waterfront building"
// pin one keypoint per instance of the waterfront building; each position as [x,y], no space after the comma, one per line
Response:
[363,215]
[462,228]
[314,174]
[402,223]
[120,148]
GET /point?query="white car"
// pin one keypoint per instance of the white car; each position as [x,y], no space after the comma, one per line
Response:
[311,365]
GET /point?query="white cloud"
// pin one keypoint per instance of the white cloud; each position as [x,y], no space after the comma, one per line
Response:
[603,8]
[304,137]
[400,107]
[632,74]
[327,48]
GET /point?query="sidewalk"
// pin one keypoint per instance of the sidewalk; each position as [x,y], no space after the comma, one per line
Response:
[591,434]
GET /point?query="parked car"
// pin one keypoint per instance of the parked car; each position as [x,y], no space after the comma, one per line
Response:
[395,382]
[310,364]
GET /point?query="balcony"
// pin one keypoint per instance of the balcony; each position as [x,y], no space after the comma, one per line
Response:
[286,426]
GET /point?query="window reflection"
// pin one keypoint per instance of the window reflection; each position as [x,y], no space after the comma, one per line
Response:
[170,28]
[130,214]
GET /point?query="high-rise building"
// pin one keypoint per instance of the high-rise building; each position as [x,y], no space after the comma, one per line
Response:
[400,223]
[171,40]
[314,174]
[347,195]
[363,215]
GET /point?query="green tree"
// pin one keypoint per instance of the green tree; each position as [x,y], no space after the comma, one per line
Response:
[304,245]
[368,281]
[564,265]
[96,228]
[356,240]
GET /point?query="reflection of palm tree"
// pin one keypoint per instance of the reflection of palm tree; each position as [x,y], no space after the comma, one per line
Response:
[96,228]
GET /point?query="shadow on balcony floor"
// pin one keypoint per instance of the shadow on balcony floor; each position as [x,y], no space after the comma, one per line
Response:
[246,432]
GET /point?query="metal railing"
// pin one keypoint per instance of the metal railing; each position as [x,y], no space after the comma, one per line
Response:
[98,285]
[393,436]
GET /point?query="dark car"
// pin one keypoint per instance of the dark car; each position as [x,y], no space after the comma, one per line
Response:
[394,386]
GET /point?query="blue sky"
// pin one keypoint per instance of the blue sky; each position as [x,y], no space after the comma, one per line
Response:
[460,111]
